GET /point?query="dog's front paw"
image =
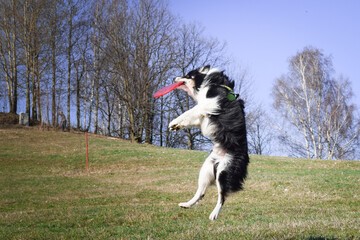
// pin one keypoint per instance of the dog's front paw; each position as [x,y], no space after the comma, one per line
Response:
[174,125]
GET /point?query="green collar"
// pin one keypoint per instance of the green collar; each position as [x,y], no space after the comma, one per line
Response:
[231,96]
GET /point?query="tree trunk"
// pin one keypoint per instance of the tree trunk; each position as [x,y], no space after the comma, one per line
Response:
[53,68]
[38,77]
[70,22]
[78,102]
[14,94]
[96,83]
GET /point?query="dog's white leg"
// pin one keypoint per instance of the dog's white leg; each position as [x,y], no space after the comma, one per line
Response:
[221,198]
[220,177]
[206,177]
[190,118]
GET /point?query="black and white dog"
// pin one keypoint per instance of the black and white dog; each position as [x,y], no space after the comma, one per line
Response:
[220,116]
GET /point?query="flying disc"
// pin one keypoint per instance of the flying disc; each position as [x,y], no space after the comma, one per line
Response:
[167,89]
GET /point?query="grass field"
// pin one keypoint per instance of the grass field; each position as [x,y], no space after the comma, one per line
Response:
[132,192]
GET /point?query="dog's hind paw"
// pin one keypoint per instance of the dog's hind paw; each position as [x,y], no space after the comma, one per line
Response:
[213,216]
[215,213]
[184,205]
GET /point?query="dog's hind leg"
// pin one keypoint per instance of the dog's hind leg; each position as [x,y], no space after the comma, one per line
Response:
[222,186]
[206,178]
[221,199]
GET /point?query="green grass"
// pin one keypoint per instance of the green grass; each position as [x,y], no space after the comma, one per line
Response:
[132,192]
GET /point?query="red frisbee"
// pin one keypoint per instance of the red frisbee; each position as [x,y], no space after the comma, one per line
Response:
[167,89]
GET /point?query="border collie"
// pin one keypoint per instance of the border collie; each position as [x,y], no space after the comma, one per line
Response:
[221,118]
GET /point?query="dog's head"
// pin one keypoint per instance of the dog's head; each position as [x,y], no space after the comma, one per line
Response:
[193,80]
[200,77]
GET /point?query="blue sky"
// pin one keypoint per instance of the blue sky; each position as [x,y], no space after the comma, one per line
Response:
[262,35]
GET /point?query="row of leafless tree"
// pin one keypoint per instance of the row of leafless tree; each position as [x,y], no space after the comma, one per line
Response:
[100,61]
[42,54]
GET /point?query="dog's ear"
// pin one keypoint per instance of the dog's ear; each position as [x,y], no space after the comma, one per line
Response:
[205,69]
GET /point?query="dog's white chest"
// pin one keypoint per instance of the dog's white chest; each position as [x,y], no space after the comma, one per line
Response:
[207,129]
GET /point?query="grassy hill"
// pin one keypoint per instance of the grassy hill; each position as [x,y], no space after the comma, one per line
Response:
[131,192]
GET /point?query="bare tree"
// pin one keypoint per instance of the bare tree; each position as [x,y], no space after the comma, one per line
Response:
[80,69]
[98,57]
[341,128]
[9,24]
[138,47]
[259,131]
[54,24]
[71,13]
[35,45]
[309,98]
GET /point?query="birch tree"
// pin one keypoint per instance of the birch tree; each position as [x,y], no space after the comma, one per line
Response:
[317,106]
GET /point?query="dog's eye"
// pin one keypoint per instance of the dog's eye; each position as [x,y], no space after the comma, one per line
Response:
[192,77]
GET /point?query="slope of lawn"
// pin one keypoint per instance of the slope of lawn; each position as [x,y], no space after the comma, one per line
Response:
[131,192]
